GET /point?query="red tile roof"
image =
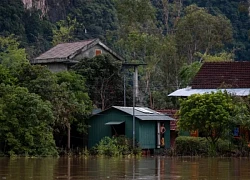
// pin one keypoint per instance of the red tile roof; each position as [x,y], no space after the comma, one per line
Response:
[214,75]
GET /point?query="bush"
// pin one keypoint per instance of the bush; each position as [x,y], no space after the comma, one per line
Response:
[224,147]
[199,146]
[191,146]
[114,146]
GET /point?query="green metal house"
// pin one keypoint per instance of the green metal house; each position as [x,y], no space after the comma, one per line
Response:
[118,120]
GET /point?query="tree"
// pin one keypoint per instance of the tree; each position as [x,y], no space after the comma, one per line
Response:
[199,31]
[241,120]
[135,15]
[37,79]
[103,79]
[25,122]
[96,17]
[64,31]
[73,104]
[5,76]
[188,72]
[11,55]
[11,14]
[210,114]
[66,92]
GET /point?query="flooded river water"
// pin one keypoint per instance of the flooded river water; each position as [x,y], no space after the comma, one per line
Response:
[152,168]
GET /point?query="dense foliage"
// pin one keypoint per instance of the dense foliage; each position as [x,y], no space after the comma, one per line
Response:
[25,123]
[199,146]
[115,146]
[214,116]
[37,105]
[166,35]
[208,113]
[103,80]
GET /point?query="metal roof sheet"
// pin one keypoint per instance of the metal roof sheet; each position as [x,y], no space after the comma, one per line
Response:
[189,91]
[144,113]
[64,50]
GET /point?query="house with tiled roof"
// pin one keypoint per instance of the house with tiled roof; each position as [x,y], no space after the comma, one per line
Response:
[64,55]
[234,77]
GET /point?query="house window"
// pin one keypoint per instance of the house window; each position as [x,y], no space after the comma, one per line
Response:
[236,132]
[98,52]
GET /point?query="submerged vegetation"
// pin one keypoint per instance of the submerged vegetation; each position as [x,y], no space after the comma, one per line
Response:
[199,146]
[115,146]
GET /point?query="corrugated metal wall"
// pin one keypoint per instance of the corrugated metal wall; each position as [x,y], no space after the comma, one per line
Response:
[167,134]
[98,129]
[145,131]
[147,134]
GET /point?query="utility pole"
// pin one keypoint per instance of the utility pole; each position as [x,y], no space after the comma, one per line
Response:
[124,88]
[135,90]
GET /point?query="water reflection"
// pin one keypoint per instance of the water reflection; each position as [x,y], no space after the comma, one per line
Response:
[153,168]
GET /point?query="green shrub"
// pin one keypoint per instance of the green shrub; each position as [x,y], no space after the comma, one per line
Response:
[108,147]
[224,147]
[115,146]
[199,146]
[191,146]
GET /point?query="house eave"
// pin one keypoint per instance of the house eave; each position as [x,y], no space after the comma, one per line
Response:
[54,60]
[185,92]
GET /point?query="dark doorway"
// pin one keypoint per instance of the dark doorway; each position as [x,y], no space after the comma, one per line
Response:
[118,130]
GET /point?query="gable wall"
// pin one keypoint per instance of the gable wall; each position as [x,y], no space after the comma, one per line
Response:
[57,67]
[90,53]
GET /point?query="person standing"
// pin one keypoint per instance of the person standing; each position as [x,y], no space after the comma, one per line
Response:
[163,130]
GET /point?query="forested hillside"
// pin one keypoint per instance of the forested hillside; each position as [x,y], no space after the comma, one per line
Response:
[172,36]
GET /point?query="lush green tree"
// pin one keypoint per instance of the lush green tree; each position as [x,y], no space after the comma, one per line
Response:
[103,79]
[168,14]
[38,79]
[95,18]
[38,32]
[11,14]
[188,72]
[73,104]
[199,31]
[133,15]
[135,18]
[25,123]
[238,13]
[223,56]
[6,77]
[66,92]
[64,31]
[11,55]
[210,114]
[31,28]
[242,117]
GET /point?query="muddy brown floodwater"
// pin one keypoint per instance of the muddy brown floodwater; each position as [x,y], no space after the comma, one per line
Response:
[151,168]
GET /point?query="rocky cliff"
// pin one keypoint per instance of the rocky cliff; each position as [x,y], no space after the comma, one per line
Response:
[54,9]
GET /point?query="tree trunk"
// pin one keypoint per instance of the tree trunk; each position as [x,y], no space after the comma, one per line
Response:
[68,126]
